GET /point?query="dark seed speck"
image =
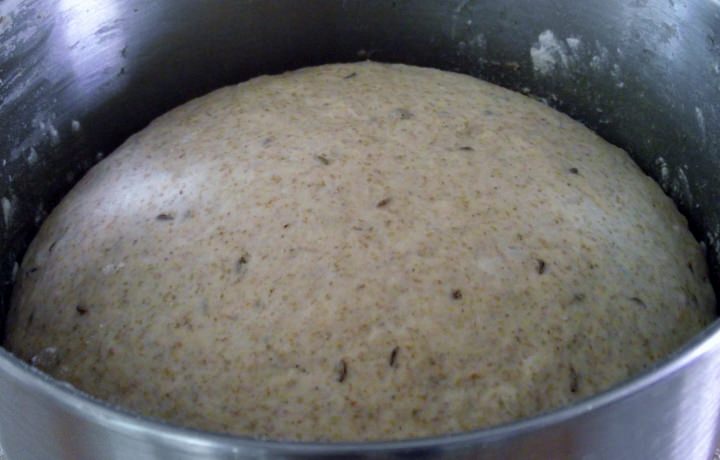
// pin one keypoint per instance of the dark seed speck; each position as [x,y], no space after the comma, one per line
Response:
[342,371]
[457,294]
[574,380]
[393,356]
[384,202]
[241,263]
[638,301]
[541,266]
[165,217]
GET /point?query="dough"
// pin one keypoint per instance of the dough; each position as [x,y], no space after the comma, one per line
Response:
[354,252]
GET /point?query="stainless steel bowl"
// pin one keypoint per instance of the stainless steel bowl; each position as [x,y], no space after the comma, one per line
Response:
[78,76]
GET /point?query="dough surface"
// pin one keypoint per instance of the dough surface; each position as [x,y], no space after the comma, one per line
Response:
[358,251]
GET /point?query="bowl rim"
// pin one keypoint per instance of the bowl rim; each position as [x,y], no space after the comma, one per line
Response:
[118,419]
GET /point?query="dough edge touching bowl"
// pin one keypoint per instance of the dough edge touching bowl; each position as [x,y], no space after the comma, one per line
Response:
[153,208]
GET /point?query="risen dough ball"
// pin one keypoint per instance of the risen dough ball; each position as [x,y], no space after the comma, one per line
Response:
[355,252]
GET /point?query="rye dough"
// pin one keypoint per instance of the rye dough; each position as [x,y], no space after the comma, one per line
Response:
[358,251]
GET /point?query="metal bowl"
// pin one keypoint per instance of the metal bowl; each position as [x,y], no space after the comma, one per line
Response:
[79,76]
